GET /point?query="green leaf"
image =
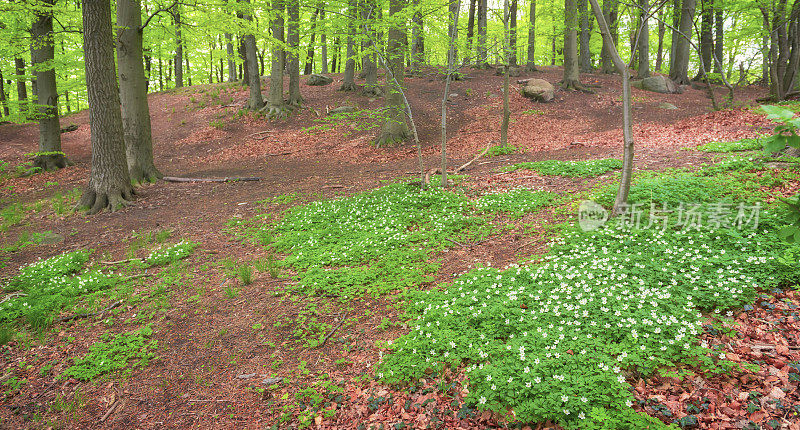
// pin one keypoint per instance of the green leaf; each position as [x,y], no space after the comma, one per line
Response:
[777,113]
[774,143]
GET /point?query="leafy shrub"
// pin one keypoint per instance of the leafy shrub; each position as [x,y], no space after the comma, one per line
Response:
[738,164]
[672,188]
[576,169]
[114,353]
[516,202]
[163,256]
[556,341]
[498,150]
[735,146]
[360,120]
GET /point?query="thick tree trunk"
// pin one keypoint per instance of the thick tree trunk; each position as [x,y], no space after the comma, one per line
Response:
[348,84]
[133,94]
[585,60]
[255,101]
[512,33]
[176,17]
[610,13]
[644,40]
[676,23]
[323,40]
[417,39]
[571,71]
[532,37]
[293,36]
[49,156]
[276,105]
[662,29]
[109,184]
[471,27]
[395,129]
[681,72]
[368,15]
[309,68]
[719,43]
[483,59]
[22,86]
[706,37]
[335,60]
[231,55]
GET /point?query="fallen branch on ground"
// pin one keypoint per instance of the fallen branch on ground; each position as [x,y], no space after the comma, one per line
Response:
[87,315]
[438,171]
[333,331]
[177,179]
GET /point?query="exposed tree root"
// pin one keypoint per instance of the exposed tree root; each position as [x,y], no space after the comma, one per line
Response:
[348,86]
[144,175]
[438,171]
[51,162]
[113,200]
[391,137]
[375,91]
[276,112]
[576,85]
[232,179]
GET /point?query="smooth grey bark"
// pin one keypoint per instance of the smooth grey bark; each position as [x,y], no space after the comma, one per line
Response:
[133,94]
[395,129]
[483,58]
[644,40]
[471,26]
[451,67]
[22,86]
[571,78]
[719,33]
[676,23]
[49,156]
[531,66]
[176,18]
[255,100]
[231,55]
[680,74]
[452,29]
[309,67]
[3,96]
[293,56]
[584,38]
[109,185]
[662,29]
[610,14]
[417,39]
[706,36]
[323,40]
[512,33]
[277,107]
[348,84]
[507,60]
[371,87]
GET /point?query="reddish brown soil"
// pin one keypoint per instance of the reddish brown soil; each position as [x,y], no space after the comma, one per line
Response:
[206,344]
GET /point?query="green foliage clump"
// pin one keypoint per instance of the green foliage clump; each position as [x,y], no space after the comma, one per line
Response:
[735,146]
[732,164]
[671,188]
[167,255]
[114,353]
[498,150]
[558,340]
[47,286]
[575,169]
[516,202]
[359,120]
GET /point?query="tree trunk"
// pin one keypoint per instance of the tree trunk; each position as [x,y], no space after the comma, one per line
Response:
[532,38]
[231,55]
[255,101]
[417,39]
[109,182]
[662,28]
[644,40]
[277,106]
[681,73]
[585,60]
[176,17]
[293,8]
[610,12]
[571,71]
[334,60]
[309,68]
[483,59]
[348,84]
[368,16]
[512,34]
[451,66]
[22,87]
[133,94]
[188,70]
[3,96]
[676,23]
[706,36]
[323,39]
[395,129]
[49,156]
[452,29]
[471,27]
[507,61]
[719,22]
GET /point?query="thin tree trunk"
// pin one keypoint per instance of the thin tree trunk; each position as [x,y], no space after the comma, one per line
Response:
[532,38]
[719,22]
[571,71]
[706,36]
[585,60]
[22,87]
[176,17]
[334,61]
[109,182]
[417,39]
[662,29]
[255,101]
[452,29]
[483,59]
[231,55]
[133,94]
[644,40]
[512,31]
[348,84]
[673,47]
[49,156]
[277,106]
[507,61]
[681,73]
[293,36]
[323,39]
[368,16]
[3,96]
[471,27]
[610,12]
[451,66]
[309,68]
[188,69]
[395,129]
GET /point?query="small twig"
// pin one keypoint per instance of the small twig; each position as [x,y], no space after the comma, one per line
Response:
[12,295]
[257,135]
[87,315]
[110,410]
[279,153]
[177,179]
[333,331]
[474,159]
[457,243]
[141,275]
[335,186]
[111,263]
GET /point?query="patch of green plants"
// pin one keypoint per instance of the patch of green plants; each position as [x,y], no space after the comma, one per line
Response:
[217,123]
[358,120]
[245,273]
[731,164]
[517,202]
[499,150]
[575,169]
[282,199]
[735,146]
[64,204]
[170,254]
[114,353]
[563,339]
[11,215]
[533,112]
[41,289]
[671,188]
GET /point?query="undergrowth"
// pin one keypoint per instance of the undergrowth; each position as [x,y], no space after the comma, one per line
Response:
[576,169]
[517,202]
[113,353]
[735,146]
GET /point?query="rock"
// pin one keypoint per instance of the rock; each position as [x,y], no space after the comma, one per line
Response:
[539,90]
[657,84]
[665,105]
[316,80]
[342,109]
[50,238]
[272,381]
[246,376]
[513,71]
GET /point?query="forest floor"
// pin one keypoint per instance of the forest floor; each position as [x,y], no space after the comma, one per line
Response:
[220,339]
